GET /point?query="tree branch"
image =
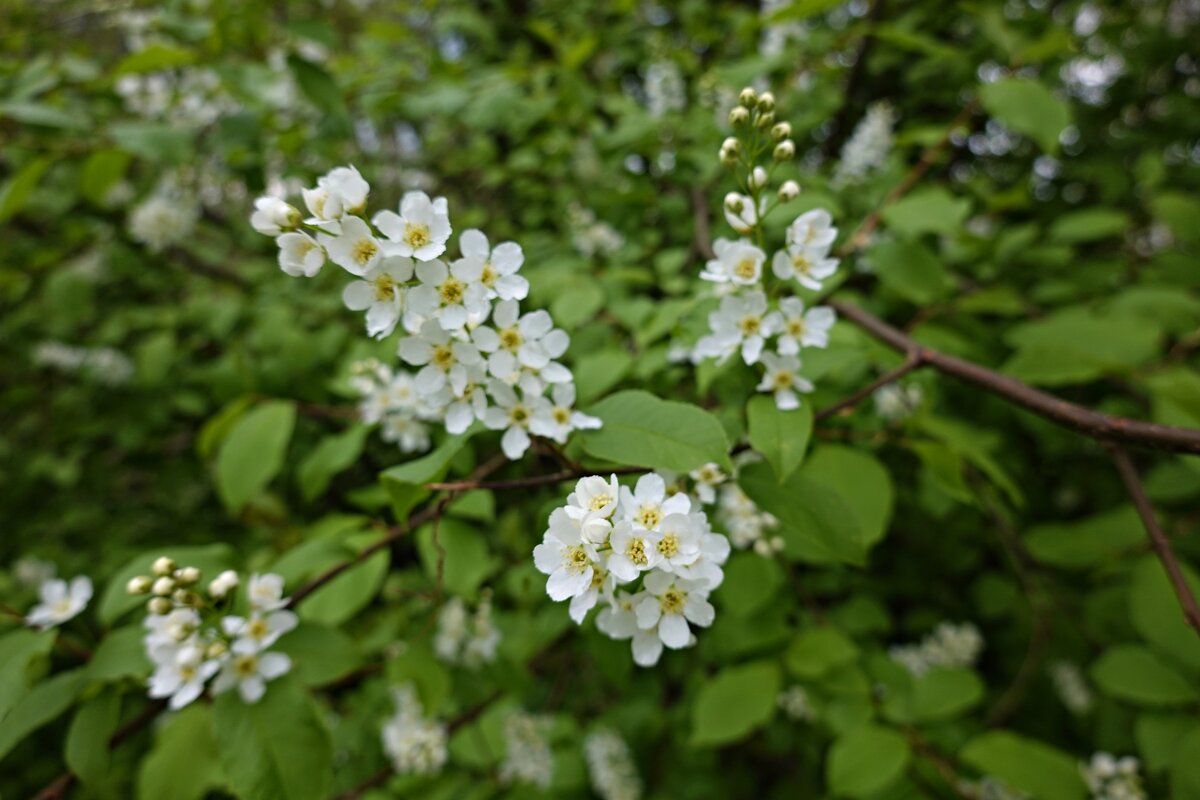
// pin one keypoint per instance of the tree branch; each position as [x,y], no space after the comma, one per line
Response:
[1158,540]
[532,480]
[912,361]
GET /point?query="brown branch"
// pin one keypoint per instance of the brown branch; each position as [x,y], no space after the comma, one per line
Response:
[1158,540]
[532,480]
[912,361]
[1102,427]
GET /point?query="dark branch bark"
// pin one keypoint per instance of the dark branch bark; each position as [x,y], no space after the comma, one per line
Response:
[911,362]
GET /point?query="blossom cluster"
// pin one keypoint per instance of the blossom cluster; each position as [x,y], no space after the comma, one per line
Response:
[476,356]
[614,775]
[466,638]
[868,145]
[648,558]
[1110,778]
[949,645]
[750,321]
[1072,687]
[747,526]
[192,635]
[102,364]
[795,703]
[415,743]
[527,754]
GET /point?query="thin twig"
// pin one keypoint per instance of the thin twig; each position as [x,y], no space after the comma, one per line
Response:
[532,480]
[912,361]
[1158,540]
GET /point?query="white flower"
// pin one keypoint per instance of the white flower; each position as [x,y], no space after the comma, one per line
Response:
[707,478]
[740,321]
[415,744]
[522,343]
[896,402]
[1072,687]
[613,773]
[340,192]
[441,359]
[603,583]
[679,543]
[381,294]
[594,498]
[565,557]
[181,675]
[258,631]
[451,294]
[512,415]
[648,504]
[741,213]
[354,248]
[223,584]
[556,420]
[249,672]
[420,230]
[266,592]
[272,216]
[782,379]
[499,266]
[619,621]
[409,433]
[300,254]
[800,263]
[795,703]
[471,403]
[171,630]
[738,262]
[868,146]
[527,754]
[60,602]
[634,551]
[672,603]
[161,221]
[812,230]
[799,328]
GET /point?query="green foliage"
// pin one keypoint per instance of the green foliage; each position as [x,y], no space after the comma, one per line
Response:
[646,431]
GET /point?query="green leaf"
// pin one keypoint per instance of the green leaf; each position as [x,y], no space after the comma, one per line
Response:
[781,436]
[1156,615]
[817,651]
[87,738]
[750,583]
[1027,765]
[277,748]
[642,430]
[734,703]
[577,304]
[1027,107]
[210,559]
[596,373]
[152,140]
[41,705]
[318,85]
[319,653]
[1185,767]
[253,452]
[467,561]
[332,454]
[18,651]
[16,190]
[1158,736]
[860,480]
[801,9]
[1179,212]
[405,482]
[910,270]
[32,113]
[183,764]
[940,694]
[348,593]
[120,654]
[1135,674]
[1088,225]
[1086,543]
[866,760]
[817,525]
[931,210]
[154,57]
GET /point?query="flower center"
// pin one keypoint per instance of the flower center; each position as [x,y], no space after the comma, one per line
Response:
[795,327]
[385,287]
[577,559]
[668,546]
[443,356]
[598,576]
[62,607]
[510,339]
[636,552]
[782,380]
[599,501]
[245,666]
[519,414]
[648,517]
[257,629]
[672,601]
[745,269]
[416,236]
[364,251]
[802,264]
[561,415]
[451,291]
[187,672]
[488,276]
[750,324]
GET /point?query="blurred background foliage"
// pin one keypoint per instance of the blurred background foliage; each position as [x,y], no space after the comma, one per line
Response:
[1055,238]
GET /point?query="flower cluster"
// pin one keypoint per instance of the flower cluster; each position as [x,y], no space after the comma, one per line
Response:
[749,321]
[747,526]
[415,743]
[1110,778]
[60,601]
[1072,687]
[608,538]
[477,356]
[592,236]
[102,364]
[192,636]
[162,220]
[466,638]
[895,402]
[868,146]
[527,754]
[795,703]
[610,765]
[949,645]
[989,788]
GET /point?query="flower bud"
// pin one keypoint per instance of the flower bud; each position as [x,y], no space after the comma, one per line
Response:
[187,575]
[138,585]
[758,177]
[762,547]
[186,597]
[777,544]
[223,584]
[163,566]
[728,158]
[785,150]
[159,606]
[733,202]
[748,97]
[732,144]
[766,102]
[781,131]
[739,116]
[765,120]
[789,191]
[163,586]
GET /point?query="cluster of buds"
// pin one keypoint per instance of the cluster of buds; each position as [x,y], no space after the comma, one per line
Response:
[173,586]
[757,133]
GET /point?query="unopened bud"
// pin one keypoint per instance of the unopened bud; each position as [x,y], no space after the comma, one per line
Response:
[762,547]
[777,544]
[739,116]
[187,576]
[163,566]
[765,120]
[748,97]
[731,143]
[785,150]
[758,177]
[766,102]
[734,202]
[159,606]
[728,158]
[163,586]
[781,131]
[138,585]
[789,191]
[223,584]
